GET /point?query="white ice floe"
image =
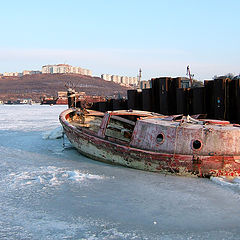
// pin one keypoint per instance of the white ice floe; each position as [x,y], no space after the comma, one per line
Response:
[53,134]
[79,176]
[51,176]
[228,182]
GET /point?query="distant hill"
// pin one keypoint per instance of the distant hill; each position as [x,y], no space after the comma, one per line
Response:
[38,85]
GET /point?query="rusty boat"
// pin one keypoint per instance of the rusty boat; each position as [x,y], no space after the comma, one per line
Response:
[178,144]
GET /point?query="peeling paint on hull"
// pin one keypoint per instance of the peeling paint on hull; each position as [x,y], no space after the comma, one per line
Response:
[179,164]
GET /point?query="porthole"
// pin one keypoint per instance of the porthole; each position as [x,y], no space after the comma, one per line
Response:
[196,144]
[160,138]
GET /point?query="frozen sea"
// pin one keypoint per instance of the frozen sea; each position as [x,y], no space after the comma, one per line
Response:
[47,192]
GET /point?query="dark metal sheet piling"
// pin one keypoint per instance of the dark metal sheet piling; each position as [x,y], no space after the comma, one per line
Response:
[198,100]
[147,99]
[134,99]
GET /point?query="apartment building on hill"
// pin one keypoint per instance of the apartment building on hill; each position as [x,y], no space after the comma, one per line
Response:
[65,68]
[123,80]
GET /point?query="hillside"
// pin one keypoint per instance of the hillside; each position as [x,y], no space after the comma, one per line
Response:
[38,85]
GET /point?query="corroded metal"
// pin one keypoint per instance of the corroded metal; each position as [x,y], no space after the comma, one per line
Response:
[161,143]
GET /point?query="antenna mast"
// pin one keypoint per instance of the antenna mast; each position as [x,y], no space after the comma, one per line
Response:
[139,76]
[189,74]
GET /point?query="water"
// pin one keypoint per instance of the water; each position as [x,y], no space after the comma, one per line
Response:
[50,193]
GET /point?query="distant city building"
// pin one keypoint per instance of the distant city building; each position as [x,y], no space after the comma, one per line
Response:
[106,77]
[145,84]
[60,68]
[76,70]
[65,68]
[17,74]
[51,69]
[86,72]
[123,80]
[133,80]
[10,74]
[27,72]
[116,79]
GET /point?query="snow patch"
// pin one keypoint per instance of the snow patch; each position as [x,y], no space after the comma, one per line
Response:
[51,176]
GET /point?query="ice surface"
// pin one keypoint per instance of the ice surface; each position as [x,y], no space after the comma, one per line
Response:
[47,192]
[53,134]
[33,118]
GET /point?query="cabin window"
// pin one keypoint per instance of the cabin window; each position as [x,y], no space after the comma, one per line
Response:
[120,128]
[196,144]
[160,138]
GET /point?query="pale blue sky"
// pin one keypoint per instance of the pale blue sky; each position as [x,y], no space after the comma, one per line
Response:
[119,36]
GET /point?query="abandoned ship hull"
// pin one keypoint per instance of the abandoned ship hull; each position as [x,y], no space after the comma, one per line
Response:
[180,164]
